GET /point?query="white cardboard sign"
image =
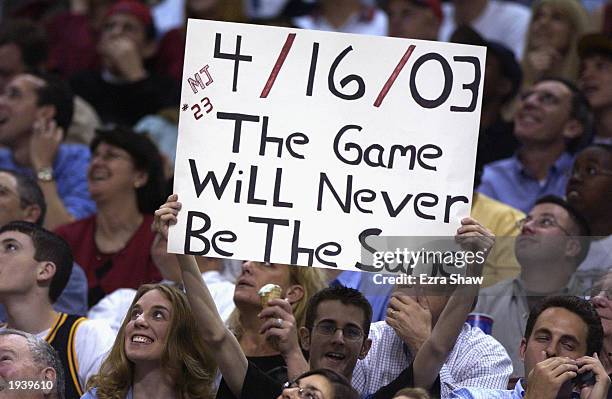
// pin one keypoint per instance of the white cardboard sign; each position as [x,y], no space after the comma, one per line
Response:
[295,146]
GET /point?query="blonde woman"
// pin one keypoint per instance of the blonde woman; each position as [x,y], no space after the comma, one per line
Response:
[252,325]
[554,30]
[158,353]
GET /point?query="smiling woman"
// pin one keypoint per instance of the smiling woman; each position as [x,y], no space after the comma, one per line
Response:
[158,352]
[114,245]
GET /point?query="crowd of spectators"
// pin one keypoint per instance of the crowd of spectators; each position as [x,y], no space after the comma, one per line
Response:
[92,305]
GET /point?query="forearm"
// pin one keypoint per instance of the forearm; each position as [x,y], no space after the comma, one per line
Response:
[202,304]
[57,214]
[436,348]
[218,339]
[296,364]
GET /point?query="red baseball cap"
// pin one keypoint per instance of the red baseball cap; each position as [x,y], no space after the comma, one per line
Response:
[134,8]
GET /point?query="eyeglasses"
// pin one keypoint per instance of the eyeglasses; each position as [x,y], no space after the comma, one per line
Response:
[598,291]
[543,97]
[303,393]
[350,333]
[588,171]
[542,222]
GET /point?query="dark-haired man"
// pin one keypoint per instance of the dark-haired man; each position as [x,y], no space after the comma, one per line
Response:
[22,199]
[23,48]
[35,265]
[590,191]
[552,118]
[550,247]
[561,341]
[35,111]
[414,19]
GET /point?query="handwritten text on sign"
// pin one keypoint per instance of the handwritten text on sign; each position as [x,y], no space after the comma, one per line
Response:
[296,146]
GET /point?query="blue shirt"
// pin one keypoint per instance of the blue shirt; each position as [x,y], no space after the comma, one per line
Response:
[376,294]
[481,393]
[70,175]
[73,299]
[507,181]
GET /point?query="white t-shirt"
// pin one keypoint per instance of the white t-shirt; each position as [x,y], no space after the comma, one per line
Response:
[93,341]
[371,21]
[505,22]
[114,307]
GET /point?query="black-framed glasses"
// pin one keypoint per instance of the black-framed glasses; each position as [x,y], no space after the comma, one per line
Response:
[588,171]
[303,393]
[542,222]
[350,333]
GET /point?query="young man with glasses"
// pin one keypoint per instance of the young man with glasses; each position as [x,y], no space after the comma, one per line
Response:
[551,122]
[336,332]
[550,247]
[590,191]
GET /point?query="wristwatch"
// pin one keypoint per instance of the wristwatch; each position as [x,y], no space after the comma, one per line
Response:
[45,174]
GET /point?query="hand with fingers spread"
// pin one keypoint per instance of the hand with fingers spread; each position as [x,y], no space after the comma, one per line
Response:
[410,318]
[602,381]
[166,215]
[547,377]
[44,143]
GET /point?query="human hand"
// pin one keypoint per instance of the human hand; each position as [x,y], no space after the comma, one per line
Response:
[410,318]
[547,377]
[472,236]
[279,327]
[124,58]
[602,380]
[543,59]
[44,143]
[166,216]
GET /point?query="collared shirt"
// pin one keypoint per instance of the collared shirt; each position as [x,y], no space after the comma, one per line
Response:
[508,181]
[476,360]
[481,393]
[370,21]
[70,174]
[376,294]
[597,262]
[506,303]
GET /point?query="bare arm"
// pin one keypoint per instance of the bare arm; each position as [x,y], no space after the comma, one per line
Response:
[429,359]
[219,340]
[44,145]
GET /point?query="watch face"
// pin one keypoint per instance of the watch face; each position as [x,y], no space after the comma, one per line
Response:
[45,174]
